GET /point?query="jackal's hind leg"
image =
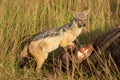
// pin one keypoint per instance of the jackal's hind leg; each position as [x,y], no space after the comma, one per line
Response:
[23,55]
[40,59]
[38,53]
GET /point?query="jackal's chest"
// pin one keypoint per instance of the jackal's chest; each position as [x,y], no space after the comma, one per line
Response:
[70,36]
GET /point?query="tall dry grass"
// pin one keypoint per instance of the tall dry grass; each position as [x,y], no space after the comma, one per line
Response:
[19,18]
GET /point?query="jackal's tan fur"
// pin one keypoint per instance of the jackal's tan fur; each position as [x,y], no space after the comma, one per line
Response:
[43,43]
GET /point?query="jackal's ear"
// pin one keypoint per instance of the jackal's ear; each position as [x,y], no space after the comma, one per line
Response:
[86,11]
[74,13]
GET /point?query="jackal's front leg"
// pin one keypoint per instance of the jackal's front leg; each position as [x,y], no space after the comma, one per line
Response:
[68,46]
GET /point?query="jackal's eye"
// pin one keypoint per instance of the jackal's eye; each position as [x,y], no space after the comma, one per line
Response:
[85,19]
[79,20]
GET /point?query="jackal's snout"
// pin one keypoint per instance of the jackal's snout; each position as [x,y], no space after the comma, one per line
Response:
[81,23]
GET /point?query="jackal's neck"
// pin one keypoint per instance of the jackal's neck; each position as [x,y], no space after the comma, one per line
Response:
[74,28]
[74,24]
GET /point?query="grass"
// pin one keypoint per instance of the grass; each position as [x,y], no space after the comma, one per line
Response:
[19,18]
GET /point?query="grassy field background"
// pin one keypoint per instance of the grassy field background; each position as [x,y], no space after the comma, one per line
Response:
[19,18]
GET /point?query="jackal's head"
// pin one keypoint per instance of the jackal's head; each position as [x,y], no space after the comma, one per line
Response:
[81,18]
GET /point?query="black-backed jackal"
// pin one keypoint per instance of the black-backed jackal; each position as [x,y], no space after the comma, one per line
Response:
[43,43]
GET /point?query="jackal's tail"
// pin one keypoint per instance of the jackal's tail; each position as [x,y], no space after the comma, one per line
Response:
[22,57]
